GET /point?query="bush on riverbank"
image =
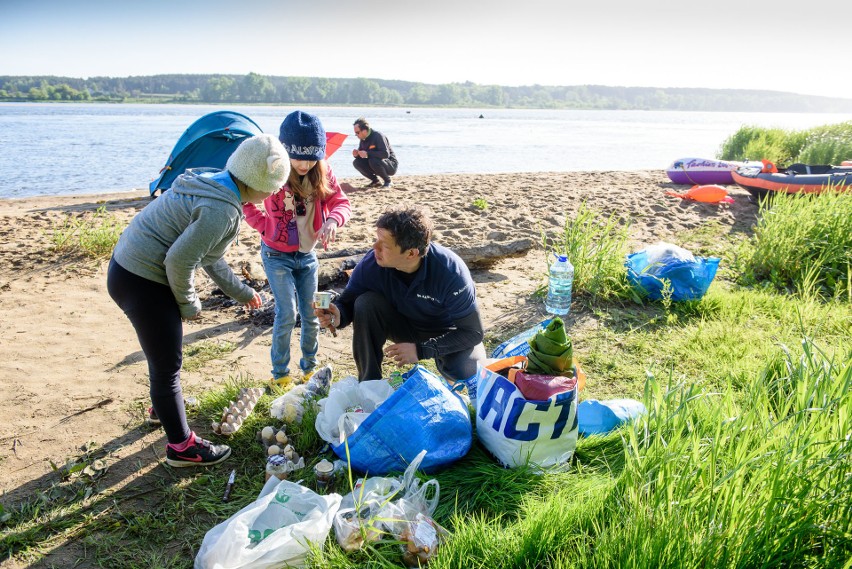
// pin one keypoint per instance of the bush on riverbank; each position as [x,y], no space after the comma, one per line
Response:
[829,144]
[802,244]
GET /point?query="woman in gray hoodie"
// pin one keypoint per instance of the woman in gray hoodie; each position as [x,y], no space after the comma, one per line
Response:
[152,273]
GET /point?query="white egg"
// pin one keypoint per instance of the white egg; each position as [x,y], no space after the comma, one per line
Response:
[281,437]
[273,450]
[267,433]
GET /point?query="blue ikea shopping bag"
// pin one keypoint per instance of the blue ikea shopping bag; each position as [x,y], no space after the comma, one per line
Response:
[689,279]
[422,414]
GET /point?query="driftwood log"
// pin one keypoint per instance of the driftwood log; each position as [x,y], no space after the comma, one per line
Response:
[334,264]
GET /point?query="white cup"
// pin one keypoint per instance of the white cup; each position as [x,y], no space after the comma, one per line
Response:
[322,299]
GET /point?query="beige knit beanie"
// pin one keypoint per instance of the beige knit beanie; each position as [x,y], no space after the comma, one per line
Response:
[261,163]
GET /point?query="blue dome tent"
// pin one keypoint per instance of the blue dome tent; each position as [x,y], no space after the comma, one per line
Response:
[208,142]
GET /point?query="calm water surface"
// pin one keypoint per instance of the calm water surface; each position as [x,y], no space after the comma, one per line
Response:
[53,149]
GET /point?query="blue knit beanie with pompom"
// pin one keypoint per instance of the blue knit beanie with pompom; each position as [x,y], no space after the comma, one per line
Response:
[303,136]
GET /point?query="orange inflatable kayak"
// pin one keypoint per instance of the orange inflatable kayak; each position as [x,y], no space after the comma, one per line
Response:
[795,179]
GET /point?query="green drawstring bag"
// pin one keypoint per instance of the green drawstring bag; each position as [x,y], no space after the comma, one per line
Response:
[551,351]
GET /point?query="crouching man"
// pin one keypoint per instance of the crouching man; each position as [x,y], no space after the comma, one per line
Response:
[415,293]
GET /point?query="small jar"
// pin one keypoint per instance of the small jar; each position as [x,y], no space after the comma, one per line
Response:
[276,466]
[324,471]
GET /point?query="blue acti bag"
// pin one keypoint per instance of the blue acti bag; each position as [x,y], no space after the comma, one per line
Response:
[422,414]
[518,431]
[689,279]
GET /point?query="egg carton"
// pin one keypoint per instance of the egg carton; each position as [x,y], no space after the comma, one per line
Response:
[236,413]
[270,435]
[276,442]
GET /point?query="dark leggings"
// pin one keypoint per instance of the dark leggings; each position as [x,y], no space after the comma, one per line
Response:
[154,313]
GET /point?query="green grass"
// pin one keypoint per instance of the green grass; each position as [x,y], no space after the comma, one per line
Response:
[743,460]
[829,144]
[196,355]
[92,234]
[802,244]
[480,203]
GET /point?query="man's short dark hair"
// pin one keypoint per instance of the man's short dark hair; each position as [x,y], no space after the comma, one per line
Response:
[362,123]
[411,228]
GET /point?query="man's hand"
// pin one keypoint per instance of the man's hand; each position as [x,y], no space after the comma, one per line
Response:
[362,153]
[355,153]
[328,317]
[402,354]
[255,302]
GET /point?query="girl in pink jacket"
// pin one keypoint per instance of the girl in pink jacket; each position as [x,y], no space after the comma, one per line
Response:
[308,208]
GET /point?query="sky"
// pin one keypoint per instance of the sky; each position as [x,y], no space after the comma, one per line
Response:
[721,44]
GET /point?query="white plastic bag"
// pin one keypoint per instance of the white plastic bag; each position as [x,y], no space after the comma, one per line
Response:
[420,539]
[272,531]
[349,397]
[661,253]
[409,519]
[357,520]
[382,505]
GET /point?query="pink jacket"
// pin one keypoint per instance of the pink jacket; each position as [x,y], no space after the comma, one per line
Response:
[279,217]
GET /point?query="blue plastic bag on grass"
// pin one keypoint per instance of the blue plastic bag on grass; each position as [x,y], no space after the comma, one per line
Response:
[689,279]
[600,417]
[518,345]
[422,414]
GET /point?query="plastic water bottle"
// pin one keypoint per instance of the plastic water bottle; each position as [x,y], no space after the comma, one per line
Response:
[561,280]
[320,382]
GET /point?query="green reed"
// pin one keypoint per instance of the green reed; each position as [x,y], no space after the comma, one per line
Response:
[597,246]
[802,244]
[92,234]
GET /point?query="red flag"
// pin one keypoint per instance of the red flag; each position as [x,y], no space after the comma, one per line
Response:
[333,141]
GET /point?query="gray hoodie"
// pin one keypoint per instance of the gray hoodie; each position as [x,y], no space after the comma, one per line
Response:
[191,225]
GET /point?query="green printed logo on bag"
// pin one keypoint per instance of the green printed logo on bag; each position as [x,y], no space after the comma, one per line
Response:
[282,498]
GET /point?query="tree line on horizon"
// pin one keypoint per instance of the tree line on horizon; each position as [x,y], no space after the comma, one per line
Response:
[253,88]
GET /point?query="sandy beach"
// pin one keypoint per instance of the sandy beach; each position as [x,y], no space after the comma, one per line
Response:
[71,371]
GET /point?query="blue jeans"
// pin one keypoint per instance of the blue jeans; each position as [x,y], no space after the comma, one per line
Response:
[293,280]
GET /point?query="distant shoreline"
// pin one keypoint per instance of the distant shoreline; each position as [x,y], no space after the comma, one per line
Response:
[477,108]
[253,88]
